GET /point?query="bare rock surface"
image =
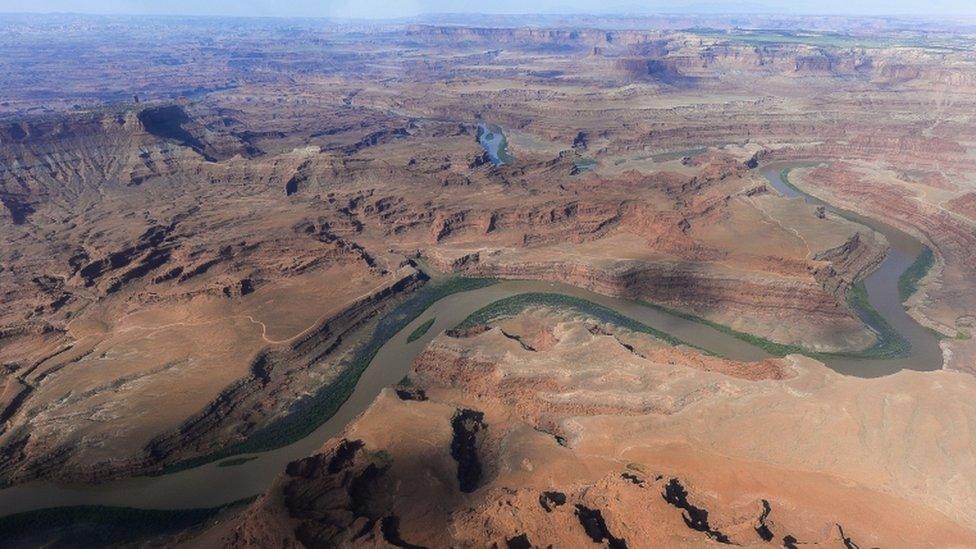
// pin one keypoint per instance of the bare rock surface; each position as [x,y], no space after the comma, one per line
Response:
[586,441]
[194,238]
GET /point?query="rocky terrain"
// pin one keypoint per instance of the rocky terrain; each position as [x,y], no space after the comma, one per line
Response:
[104,312]
[290,252]
[945,302]
[192,254]
[549,428]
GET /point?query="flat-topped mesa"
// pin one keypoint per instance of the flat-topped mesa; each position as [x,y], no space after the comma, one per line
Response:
[678,58]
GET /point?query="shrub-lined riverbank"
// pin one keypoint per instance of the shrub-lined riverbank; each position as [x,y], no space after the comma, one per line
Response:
[311,412]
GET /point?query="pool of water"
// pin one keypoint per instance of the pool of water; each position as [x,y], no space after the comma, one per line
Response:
[492,138]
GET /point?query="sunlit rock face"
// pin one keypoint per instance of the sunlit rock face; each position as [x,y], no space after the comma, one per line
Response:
[554,428]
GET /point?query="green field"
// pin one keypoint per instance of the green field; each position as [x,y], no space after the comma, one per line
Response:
[769,37]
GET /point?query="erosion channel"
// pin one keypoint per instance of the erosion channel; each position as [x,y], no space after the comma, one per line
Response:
[212,485]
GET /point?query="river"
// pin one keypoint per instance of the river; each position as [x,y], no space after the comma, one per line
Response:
[492,138]
[211,485]
[882,288]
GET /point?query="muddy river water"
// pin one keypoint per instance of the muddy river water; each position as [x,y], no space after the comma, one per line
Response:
[882,287]
[211,485]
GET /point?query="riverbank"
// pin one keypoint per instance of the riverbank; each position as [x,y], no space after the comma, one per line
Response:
[313,411]
[385,357]
[877,299]
[99,526]
[511,306]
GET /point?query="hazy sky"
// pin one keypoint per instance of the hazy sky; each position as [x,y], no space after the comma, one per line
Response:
[400,8]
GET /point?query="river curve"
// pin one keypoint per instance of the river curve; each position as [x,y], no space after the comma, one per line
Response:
[210,485]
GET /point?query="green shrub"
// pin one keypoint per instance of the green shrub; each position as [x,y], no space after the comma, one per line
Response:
[420,331]
[908,281]
[99,526]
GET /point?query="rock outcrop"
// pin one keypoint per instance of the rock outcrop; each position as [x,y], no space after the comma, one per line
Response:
[229,221]
[586,440]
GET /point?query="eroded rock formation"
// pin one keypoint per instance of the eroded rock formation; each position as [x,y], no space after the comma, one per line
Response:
[238,242]
[590,440]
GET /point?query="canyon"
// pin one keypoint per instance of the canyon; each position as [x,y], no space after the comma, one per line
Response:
[200,262]
[540,401]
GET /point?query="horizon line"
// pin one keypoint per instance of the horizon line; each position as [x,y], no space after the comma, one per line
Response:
[906,15]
